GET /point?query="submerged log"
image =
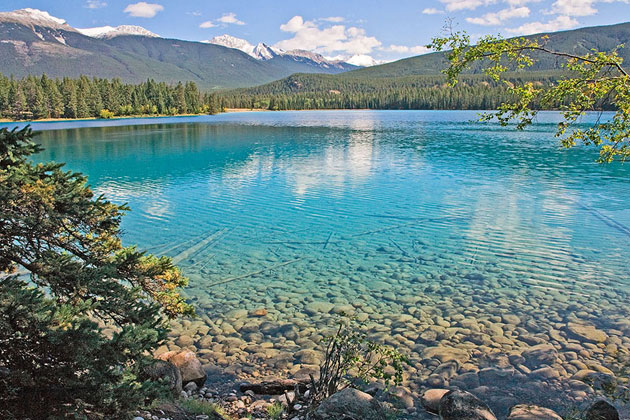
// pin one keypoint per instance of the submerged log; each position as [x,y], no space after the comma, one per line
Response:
[187,253]
[275,387]
[253,273]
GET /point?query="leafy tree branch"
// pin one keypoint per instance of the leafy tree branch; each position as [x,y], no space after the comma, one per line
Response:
[596,79]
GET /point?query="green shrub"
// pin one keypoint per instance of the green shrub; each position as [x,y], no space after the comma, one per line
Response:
[197,407]
[106,114]
[275,410]
[351,359]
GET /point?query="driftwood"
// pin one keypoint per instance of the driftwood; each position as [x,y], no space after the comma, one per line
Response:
[253,273]
[385,229]
[187,253]
[607,220]
[400,248]
[328,240]
[275,387]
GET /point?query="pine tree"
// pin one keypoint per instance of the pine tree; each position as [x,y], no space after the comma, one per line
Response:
[56,360]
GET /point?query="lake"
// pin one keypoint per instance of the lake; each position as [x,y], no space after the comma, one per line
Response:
[495,259]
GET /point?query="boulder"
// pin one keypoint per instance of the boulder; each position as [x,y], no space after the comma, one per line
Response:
[532,412]
[601,410]
[188,364]
[168,372]
[350,403]
[430,399]
[461,405]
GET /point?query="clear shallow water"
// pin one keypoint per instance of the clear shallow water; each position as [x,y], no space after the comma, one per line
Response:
[439,233]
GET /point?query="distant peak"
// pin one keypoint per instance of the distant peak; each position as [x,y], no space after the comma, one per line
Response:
[32,17]
[265,52]
[114,31]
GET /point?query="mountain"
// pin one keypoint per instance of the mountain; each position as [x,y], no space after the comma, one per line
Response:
[111,31]
[34,42]
[264,52]
[576,41]
[424,71]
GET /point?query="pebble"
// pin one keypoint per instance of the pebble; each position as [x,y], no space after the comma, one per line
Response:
[532,412]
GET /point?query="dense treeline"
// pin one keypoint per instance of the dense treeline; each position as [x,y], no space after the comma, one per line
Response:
[42,97]
[309,91]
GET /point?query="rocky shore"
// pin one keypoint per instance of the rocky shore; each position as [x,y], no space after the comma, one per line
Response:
[289,399]
[559,365]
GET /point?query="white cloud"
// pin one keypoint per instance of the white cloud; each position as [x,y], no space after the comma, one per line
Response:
[497,18]
[432,11]
[558,24]
[333,19]
[143,9]
[403,49]
[308,35]
[226,19]
[574,7]
[454,5]
[95,4]
[521,2]
[363,60]
[230,19]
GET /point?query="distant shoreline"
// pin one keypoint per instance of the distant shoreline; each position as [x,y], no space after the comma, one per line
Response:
[125,117]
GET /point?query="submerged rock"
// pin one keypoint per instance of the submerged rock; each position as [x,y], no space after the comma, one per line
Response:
[461,405]
[587,332]
[601,410]
[446,354]
[349,403]
[541,354]
[318,308]
[532,412]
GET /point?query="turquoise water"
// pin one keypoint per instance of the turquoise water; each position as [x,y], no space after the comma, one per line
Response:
[437,232]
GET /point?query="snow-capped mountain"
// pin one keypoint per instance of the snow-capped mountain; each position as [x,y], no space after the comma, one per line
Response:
[112,31]
[36,17]
[232,42]
[265,52]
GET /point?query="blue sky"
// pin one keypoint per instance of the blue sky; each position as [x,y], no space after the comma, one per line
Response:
[385,30]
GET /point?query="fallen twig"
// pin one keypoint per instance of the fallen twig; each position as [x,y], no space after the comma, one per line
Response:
[253,273]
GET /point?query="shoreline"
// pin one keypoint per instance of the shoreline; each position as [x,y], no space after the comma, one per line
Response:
[246,110]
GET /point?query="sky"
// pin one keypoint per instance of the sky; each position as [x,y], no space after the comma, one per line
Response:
[385,30]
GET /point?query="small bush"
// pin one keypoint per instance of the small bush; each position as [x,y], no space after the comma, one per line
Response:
[106,114]
[275,411]
[352,359]
[197,407]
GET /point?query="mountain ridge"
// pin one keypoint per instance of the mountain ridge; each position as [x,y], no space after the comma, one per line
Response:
[417,82]
[262,51]
[34,42]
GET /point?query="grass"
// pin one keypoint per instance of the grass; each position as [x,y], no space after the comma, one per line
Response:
[275,411]
[201,407]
